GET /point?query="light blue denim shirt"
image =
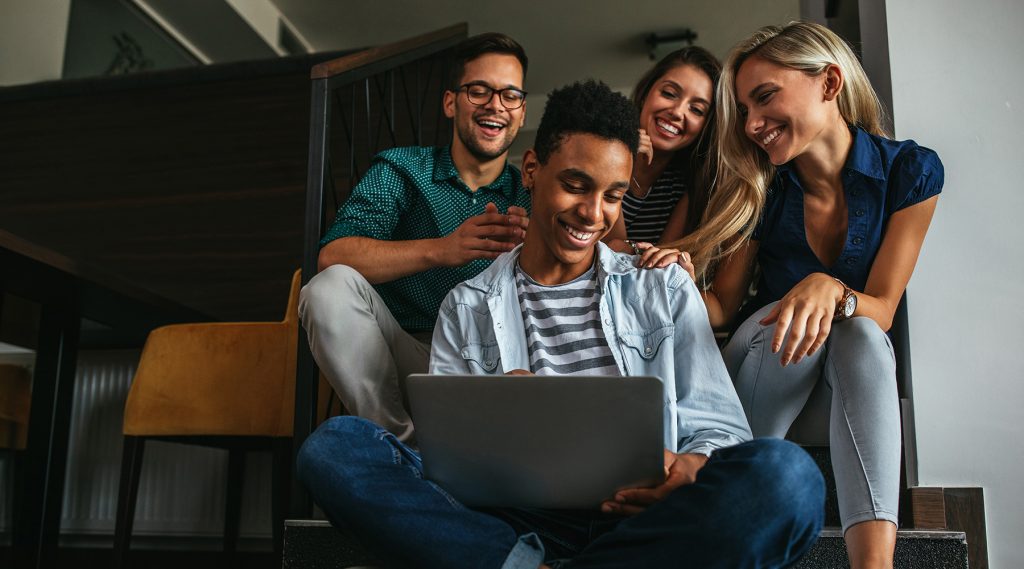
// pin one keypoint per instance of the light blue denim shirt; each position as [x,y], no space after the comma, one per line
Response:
[654,321]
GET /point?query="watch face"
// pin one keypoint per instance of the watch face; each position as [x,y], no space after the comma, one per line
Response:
[850,305]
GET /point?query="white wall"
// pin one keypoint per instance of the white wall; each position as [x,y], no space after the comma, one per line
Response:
[958,88]
[32,34]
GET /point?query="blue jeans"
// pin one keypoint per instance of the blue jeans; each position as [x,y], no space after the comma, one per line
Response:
[857,411]
[757,504]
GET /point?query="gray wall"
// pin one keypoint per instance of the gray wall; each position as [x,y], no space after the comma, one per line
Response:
[96,27]
[957,88]
[32,40]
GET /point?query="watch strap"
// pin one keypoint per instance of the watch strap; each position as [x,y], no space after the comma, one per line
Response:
[840,312]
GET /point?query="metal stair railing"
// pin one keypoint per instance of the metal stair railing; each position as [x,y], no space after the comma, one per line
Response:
[362,103]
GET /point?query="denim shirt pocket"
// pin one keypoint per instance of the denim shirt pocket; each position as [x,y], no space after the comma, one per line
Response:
[481,358]
[646,344]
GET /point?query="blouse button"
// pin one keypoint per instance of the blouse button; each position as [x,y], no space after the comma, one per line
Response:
[851,260]
[608,321]
[859,213]
[647,350]
[858,240]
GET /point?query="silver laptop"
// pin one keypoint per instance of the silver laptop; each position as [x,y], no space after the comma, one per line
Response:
[538,441]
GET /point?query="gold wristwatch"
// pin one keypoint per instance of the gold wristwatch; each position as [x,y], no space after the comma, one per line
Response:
[846,305]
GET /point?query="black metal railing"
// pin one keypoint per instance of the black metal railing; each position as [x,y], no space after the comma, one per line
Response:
[362,103]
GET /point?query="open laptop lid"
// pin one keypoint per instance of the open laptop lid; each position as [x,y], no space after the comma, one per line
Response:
[538,441]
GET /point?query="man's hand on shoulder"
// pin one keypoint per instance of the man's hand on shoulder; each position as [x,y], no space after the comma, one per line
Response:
[483,236]
[680,470]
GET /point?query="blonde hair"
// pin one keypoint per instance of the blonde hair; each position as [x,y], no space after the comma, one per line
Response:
[744,171]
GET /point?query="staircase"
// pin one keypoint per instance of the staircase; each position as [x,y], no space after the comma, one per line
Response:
[314,544]
[369,81]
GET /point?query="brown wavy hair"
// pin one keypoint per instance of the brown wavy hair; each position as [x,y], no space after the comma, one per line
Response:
[697,160]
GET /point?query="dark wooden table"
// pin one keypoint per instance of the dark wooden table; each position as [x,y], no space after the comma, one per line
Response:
[67,292]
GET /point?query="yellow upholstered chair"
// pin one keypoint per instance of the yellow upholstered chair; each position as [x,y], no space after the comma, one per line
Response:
[15,402]
[227,385]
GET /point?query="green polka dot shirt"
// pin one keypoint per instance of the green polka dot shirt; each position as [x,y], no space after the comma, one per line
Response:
[416,193]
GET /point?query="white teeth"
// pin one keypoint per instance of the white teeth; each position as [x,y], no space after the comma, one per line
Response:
[771,136]
[668,127]
[578,234]
[490,124]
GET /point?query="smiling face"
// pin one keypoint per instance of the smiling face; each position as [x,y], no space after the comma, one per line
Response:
[486,131]
[576,199]
[786,111]
[676,108]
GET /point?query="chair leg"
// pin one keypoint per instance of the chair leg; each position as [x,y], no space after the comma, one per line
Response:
[233,506]
[281,484]
[128,491]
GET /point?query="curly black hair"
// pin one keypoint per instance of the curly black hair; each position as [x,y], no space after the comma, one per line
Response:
[590,107]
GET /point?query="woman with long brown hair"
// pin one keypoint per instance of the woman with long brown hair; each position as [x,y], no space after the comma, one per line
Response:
[668,186]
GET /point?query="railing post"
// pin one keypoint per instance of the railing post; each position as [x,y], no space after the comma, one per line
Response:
[306,373]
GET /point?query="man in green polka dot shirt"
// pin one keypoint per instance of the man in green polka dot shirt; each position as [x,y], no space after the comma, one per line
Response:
[421,221]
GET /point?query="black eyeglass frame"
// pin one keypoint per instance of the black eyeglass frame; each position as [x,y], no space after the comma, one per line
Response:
[492,91]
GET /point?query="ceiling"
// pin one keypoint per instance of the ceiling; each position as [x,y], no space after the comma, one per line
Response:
[566,40]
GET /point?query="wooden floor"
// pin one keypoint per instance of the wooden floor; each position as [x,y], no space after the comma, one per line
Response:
[156,559]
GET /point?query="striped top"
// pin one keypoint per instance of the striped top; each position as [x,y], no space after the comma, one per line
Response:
[646,217]
[563,326]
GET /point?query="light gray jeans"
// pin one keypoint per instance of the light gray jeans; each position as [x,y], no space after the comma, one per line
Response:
[845,391]
[360,347]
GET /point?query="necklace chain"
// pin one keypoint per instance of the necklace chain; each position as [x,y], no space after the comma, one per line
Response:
[640,189]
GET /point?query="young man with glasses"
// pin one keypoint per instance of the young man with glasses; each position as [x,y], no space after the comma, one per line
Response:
[422,220]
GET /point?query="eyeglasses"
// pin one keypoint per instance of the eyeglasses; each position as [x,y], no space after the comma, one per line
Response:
[480,95]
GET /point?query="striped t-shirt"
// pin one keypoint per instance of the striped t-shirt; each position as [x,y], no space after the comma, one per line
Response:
[646,217]
[563,326]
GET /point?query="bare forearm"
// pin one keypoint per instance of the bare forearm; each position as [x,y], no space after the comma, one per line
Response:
[877,308]
[380,261]
[716,315]
[729,289]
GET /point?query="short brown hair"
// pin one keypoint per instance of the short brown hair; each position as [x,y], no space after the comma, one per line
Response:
[480,44]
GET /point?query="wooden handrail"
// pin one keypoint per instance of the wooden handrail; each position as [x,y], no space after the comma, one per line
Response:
[378,54]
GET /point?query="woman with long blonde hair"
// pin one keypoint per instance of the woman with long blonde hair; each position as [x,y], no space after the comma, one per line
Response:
[811,189]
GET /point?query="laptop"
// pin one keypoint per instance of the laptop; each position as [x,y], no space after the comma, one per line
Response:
[538,441]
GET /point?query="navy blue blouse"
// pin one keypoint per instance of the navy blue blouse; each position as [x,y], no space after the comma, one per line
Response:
[881,177]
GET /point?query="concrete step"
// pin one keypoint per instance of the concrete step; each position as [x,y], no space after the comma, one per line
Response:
[823,458]
[915,549]
[314,544]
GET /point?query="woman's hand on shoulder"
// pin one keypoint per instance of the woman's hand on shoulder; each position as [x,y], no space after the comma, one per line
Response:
[654,257]
[803,318]
[646,149]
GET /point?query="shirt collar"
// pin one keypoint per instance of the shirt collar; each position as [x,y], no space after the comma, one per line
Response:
[864,158]
[492,279]
[444,170]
